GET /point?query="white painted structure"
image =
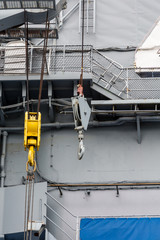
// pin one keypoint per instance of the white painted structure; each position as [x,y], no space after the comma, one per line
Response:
[15,57]
[147,55]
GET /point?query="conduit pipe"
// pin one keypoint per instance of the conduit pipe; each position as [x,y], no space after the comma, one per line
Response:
[118,122]
[3,157]
[130,184]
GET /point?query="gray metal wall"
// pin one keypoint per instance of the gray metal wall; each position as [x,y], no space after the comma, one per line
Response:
[112,154]
[12,207]
[118,24]
[1,210]
[130,203]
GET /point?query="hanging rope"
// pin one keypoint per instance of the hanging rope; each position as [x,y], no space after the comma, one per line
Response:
[29,192]
[43,61]
[27,60]
[80,86]
[29,201]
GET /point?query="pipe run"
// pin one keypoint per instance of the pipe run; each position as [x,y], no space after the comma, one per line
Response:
[92,124]
[3,157]
[126,184]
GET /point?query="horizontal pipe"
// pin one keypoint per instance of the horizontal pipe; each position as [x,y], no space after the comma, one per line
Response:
[104,184]
[58,125]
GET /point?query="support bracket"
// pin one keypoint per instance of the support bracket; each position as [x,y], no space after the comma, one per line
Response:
[117,189]
[138,129]
[2,118]
[24,91]
[51,112]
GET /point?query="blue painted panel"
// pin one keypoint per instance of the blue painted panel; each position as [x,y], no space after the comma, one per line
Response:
[120,229]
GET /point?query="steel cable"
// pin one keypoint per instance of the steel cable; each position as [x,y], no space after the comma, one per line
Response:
[28,207]
[26,48]
[43,62]
[25,210]
[81,77]
[32,207]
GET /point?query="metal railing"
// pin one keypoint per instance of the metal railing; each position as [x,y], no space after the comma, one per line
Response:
[58,59]
[75,230]
[107,73]
[139,86]
[127,83]
[77,219]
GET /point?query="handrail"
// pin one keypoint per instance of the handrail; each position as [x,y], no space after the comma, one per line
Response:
[58,227]
[60,204]
[121,216]
[106,73]
[59,216]
[89,216]
[109,59]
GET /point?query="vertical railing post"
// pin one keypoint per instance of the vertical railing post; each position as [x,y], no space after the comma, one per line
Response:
[64,51]
[31,61]
[127,82]
[77,228]
[46,234]
[49,60]
[54,59]
[91,59]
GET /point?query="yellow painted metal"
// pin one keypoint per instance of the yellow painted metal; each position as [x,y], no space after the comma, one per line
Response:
[31,155]
[34,166]
[32,134]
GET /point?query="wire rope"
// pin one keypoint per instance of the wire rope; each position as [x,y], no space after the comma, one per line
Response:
[43,61]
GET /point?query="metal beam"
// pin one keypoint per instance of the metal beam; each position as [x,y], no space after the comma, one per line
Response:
[33,17]
[75,83]
[66,76]
[17,33]
[51,111]
[24,93]
[105,92]
[29,4]
[2,118]
[124,102]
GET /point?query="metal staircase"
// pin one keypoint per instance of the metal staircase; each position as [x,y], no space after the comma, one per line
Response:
[108,76]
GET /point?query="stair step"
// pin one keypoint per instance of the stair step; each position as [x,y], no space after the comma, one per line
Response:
[107,93]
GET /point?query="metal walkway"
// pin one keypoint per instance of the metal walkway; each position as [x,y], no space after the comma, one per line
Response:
[108,77]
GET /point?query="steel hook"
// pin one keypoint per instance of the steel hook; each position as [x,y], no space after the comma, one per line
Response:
[81,150]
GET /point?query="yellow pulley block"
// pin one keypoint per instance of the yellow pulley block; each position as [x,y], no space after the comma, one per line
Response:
[32,134]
